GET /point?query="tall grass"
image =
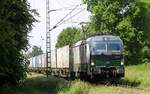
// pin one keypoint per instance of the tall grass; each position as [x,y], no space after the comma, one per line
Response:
[139,73]
[80,87]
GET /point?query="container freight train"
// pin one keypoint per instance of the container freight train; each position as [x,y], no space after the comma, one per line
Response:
[98,56]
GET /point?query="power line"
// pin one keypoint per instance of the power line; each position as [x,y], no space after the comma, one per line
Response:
[62,2]
[65,8]
[65,2]
[60,22]
[59,3]
[78,22]
[55,26]
[72,16]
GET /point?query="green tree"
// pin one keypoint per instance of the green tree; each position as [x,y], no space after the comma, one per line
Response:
[15,23]
[35,52]
[129,19]
[68,36]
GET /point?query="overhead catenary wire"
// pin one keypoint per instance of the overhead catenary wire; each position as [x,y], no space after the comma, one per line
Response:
[62,20]
[65,9]
[55,26]
[72,16]
[62,2]
[58,2]
[67,14]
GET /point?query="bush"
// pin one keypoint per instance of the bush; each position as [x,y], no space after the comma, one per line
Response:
[15,23]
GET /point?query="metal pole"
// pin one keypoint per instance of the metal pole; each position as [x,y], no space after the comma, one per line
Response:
[48,37]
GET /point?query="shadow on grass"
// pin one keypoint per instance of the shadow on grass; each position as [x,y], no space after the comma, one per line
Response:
[116,82]
[37,85]
[126,82]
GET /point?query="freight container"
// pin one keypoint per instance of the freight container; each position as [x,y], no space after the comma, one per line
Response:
[59,58]
[79,56]
[43,60]
[65,57]
[38,61]
[53,59]
[33,61]
[76,56]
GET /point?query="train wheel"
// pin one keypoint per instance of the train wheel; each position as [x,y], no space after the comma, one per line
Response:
[81,75]
[72,75]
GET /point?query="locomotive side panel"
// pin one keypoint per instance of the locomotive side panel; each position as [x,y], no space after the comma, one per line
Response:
[88,61]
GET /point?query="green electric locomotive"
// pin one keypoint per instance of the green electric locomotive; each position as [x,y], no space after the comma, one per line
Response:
[99,56]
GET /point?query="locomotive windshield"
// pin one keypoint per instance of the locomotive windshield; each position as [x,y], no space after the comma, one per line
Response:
[100,47]
[113,47]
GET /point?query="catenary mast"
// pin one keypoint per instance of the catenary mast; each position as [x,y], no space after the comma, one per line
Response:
[48,35]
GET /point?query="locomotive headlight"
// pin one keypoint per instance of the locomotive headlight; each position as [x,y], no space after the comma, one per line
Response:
[122,62]
[92,64]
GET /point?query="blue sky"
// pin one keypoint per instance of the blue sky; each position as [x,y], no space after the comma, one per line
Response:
[38,34]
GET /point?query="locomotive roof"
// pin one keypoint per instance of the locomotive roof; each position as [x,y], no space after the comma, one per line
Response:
[98,38]
[102,38]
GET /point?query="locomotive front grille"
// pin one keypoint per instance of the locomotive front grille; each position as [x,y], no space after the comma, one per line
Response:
[109,57]
[107,60]
[105,70]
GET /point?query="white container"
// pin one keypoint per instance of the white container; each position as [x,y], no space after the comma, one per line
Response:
[43,60]
[59,58]
[65,57]
[53,59]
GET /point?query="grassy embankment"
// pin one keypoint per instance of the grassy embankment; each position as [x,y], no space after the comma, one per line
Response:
[146,1]
[137,81]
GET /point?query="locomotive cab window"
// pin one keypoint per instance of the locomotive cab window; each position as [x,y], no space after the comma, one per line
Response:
[113,47]
[98,47]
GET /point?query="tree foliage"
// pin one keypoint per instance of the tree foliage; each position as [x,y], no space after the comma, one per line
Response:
[35,52]
[15,23]
[68,36]
[129,19]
